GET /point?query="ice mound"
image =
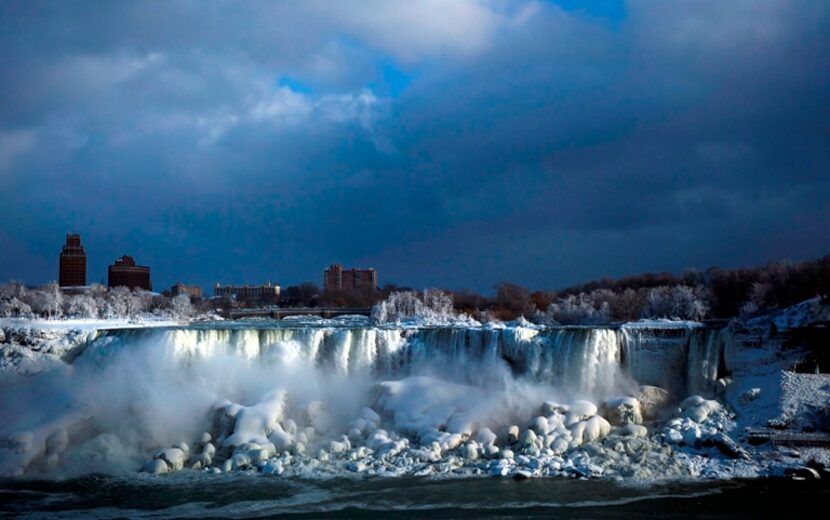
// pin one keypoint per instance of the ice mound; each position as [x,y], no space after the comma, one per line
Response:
[424,426]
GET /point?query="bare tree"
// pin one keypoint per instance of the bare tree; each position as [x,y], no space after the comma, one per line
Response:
[515,298]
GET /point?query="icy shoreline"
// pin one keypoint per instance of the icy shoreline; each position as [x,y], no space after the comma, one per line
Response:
[317,401]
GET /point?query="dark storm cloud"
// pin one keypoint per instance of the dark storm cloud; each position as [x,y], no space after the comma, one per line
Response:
[452,144]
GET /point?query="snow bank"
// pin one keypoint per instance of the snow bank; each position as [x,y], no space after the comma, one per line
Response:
[803,314]
[85,324]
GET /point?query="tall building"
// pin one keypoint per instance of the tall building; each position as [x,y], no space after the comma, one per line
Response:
[335,278]
[266,293]
[73,262]
[125,273]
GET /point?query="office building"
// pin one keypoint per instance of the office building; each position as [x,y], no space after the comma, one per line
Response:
[335,278]
[72,262]
[124,272]
[266,293]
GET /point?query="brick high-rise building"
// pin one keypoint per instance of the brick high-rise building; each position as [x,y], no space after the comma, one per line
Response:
[125,273]
[73,262]
[335,278]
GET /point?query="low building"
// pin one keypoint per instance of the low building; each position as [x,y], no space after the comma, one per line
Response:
[335,278]
[72,271]
[124,272]
[194,291]
[266,293]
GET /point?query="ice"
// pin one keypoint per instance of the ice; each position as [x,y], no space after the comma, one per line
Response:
[300,400]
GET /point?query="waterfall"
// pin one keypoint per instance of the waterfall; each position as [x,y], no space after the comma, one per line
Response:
[580,360]
[684,361]
[706,352]
[133,390]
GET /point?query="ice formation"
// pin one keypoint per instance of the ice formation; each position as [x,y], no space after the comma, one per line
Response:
[318,400]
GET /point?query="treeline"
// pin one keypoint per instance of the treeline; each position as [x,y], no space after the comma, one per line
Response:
[711,294]
[96,301]
[714,293]
[728,292]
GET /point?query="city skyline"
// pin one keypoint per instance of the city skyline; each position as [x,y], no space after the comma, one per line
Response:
[544,143]
[73,261]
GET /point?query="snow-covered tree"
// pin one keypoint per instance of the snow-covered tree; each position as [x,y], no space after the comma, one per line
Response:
[46,300]
[432,305]
[14,308]
[678,302]
[118,303]
[181,307]
[579,309]
[438,303]
[12,289]
[82,306]
[141,302]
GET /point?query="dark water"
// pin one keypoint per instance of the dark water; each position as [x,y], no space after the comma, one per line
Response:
[246,496]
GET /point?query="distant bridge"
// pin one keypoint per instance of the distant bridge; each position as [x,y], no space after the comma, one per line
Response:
[278,314]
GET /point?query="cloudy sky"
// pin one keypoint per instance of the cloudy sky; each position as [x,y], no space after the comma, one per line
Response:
[445,143]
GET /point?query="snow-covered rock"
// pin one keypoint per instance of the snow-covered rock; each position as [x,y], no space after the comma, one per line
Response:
[622,410]
[652,401]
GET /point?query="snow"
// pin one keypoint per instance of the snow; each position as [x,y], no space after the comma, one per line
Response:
[802,314]
[320,400]
[36,345]
[80,324]
[652,324]
[805,401]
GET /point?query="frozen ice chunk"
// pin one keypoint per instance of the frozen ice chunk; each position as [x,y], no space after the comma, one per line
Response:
[633,430]
[513,434]
[583,409]
[539,424]
[486,437]
[174,457]
[156,467]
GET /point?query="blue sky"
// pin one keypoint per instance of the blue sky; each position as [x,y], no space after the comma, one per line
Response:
[453,144]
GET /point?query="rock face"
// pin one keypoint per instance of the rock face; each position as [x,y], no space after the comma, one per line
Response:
[652,400]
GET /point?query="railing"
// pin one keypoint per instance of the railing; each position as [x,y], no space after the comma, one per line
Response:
[783,438]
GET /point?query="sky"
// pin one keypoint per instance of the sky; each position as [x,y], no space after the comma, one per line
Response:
[445,143]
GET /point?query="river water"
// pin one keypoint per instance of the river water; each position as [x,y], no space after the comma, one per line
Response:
[194,495]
